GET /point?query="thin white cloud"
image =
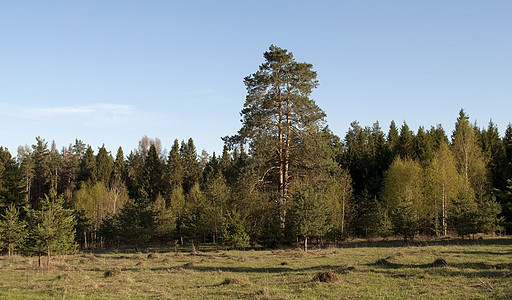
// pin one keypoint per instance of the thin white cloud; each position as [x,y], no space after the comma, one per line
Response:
[54,111]
[93,115]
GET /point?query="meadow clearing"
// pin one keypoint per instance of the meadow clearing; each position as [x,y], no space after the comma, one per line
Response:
[475,269]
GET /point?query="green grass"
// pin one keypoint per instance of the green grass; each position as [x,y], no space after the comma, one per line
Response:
[474,269]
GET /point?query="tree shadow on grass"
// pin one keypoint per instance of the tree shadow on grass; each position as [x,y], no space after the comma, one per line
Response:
[479,252]
[433,242]
[495,274]
[272,270]
[484,269]
[384,263]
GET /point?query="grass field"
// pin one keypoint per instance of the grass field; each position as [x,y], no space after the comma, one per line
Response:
[464,269]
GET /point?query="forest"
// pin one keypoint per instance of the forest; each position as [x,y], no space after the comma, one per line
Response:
[283,179]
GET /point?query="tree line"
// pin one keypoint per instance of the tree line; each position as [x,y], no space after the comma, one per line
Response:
[283,178]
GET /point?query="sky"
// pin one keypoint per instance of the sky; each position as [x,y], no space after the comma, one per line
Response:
[110,72]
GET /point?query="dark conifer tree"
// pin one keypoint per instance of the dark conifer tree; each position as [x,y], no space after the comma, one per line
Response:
[191,166]
[104,166]
[392,141]
[87,171]
[41,180]
[405,144]
[12,183]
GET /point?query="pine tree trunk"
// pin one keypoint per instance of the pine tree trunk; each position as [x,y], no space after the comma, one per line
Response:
[282,165]
[306,243]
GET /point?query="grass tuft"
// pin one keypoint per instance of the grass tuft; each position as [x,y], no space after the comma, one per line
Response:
[382,262]
[265,294]
[233,280]
[112,273]
[64,276]
[152,255]
[440,262]
[91,257]
[327,277]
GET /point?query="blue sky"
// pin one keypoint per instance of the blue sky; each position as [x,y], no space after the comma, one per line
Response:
[109,72]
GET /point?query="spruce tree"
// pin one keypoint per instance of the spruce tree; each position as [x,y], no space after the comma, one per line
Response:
[174,170]
[12,183]
[13,230]
[309,210]
[234,229]
[51,229]
[406,142]
[104,166]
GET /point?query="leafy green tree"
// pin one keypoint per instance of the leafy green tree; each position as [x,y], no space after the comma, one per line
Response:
[340,200]
[117,188]
[217,195]
[441,186]
[96,202]
[13,230]
[93,200]
[51,229]
[278,113]
[402,195]
[468,154]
